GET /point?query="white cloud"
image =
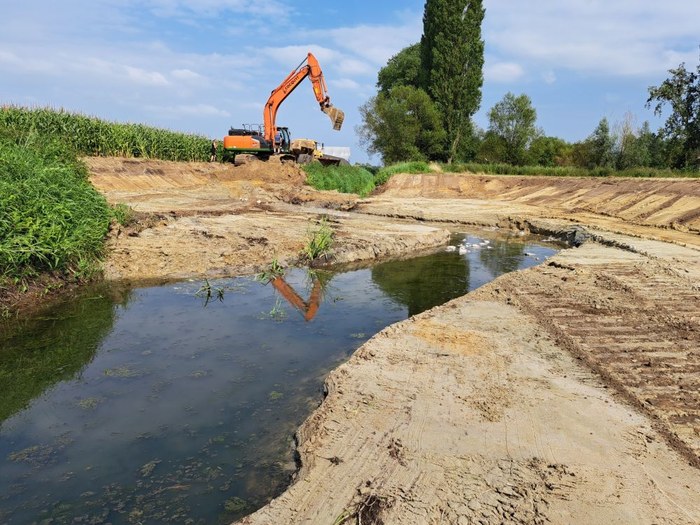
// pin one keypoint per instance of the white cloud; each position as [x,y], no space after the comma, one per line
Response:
[216,7]
[549,77]
[374,44]
[621,38]
[292,56]
[186,75]
[186,110]
[141,76]
[352,66]
[8,58]
[27,63]
[503,72]
[345,83]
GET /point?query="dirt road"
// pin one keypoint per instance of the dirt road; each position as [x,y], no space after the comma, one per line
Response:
[563,393]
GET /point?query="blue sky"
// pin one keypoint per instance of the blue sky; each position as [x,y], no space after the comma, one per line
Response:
[204,65]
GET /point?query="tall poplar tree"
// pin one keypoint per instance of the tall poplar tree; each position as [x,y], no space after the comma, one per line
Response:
[452,60]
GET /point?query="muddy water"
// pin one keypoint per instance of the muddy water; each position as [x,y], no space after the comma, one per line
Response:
[178,403]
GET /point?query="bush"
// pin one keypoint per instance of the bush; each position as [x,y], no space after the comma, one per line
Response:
[345,179]
[51,218]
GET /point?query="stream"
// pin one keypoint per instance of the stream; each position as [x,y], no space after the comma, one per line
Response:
[178,403]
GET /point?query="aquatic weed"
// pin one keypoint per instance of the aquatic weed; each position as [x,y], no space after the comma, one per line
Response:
[236,504]
[89,403]
[208,291]
[275,395]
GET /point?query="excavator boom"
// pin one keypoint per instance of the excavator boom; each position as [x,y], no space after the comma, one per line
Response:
[309,67]
[271,139]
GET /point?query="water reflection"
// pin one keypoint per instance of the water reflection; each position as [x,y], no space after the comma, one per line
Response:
[502,257]
[317,280]
[64,342]
[423,282]
[151,407]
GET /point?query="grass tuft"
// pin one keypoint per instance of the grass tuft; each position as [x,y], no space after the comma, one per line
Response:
[123,214]
[319,241]
[272,272]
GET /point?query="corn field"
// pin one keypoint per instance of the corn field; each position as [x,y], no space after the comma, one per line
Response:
[90,136]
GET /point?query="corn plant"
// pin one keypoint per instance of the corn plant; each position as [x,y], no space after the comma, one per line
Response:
[91,136]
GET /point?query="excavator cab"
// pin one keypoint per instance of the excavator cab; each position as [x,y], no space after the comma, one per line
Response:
[285,139]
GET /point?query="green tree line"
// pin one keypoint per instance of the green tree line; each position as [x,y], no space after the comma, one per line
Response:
[429,92]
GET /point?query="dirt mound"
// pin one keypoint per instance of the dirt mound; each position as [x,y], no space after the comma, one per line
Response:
[272,170]
[669,203]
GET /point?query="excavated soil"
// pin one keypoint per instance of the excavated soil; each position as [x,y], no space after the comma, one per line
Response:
[565,393]
[213,220]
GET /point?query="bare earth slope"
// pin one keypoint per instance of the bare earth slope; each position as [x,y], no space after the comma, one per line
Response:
[566,393]
[199,219]
[671,203]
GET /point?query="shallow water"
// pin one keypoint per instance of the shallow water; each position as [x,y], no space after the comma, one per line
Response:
[156,405]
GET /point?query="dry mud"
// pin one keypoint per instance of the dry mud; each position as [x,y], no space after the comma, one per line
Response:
[566,393]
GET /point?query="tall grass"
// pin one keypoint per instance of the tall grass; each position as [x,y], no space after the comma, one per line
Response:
[94,137]
[51,218]
[345,179]
[385,173]
[319,241]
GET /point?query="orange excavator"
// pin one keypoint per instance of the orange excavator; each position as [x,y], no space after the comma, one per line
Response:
[271,140]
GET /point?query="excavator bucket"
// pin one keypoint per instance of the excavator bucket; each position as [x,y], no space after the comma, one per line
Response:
[336,115]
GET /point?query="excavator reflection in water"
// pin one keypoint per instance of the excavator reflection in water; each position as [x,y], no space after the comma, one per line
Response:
[309,308]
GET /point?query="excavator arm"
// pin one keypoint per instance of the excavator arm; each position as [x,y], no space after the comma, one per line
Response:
[309,67]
